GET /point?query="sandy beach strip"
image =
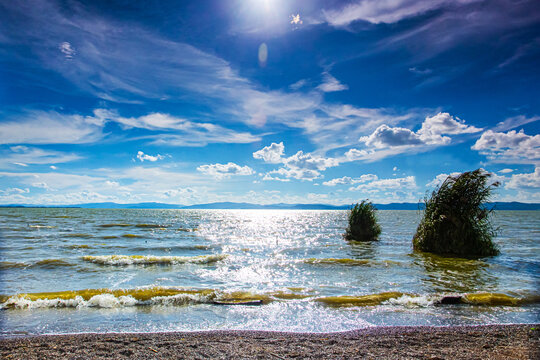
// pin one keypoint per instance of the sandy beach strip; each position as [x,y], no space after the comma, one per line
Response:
[456,342]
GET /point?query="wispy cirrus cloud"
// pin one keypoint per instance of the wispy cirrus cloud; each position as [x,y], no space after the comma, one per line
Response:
[50,127]
[40,127]
[376,11]
[24,155]
[123,62]
[331,84]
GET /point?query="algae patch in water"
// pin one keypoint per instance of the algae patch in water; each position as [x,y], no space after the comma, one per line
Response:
[153,260]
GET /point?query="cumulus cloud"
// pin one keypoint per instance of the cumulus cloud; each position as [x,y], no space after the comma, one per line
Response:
[355,154]
[284,174]
[331,84]
[525,181]
[309,161]
[346,180]
[142,157]
[510,147]
[271,154]
[386,136]
[223,171]
[301,166]
[405,183]
[431,133]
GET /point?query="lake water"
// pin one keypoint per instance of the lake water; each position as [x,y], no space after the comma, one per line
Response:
[88,270]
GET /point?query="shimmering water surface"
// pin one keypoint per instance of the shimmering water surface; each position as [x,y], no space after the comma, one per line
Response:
[87,270]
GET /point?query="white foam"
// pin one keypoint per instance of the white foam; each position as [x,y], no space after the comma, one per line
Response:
[411,301]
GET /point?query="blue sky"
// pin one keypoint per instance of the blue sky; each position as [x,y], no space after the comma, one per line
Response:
[266,101]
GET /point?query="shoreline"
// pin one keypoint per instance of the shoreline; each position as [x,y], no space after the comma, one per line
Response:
[519,341]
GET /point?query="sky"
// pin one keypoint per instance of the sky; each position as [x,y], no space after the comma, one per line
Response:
[266,101]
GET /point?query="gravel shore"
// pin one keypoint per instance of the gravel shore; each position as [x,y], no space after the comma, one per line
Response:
[458,342]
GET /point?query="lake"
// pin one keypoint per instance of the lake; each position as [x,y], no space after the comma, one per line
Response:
[97,270]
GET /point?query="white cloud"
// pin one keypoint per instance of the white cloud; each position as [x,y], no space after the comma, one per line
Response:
[355,154]
[298,166]
[510,147]
[309,161]
[53,167]
[439,179]
[55,128]
[10,191]
[514,122]
[431,133]
[67,50]
[406,183]
[271,154]
[525,181]
[39,127]
[298,85]
[295,173]
[222,171]
[506,171]
[176,131]
[142,157]
[24,155]
[381,11]
[444,123]
[331,84]
[386,136]
[346,180]
[183,192]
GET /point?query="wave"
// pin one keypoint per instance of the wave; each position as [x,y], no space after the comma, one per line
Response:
[131,236]
[153,296]
[153,260]
[174,296]
[41,226]
[347,262]
[402,299]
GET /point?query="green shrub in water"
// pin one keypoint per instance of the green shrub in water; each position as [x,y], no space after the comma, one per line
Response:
[455,220]
[363,225]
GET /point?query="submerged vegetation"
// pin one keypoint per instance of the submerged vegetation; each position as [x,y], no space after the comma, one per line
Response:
[363,225]
[455,221]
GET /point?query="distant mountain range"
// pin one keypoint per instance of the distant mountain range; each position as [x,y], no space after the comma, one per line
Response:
[234,205]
